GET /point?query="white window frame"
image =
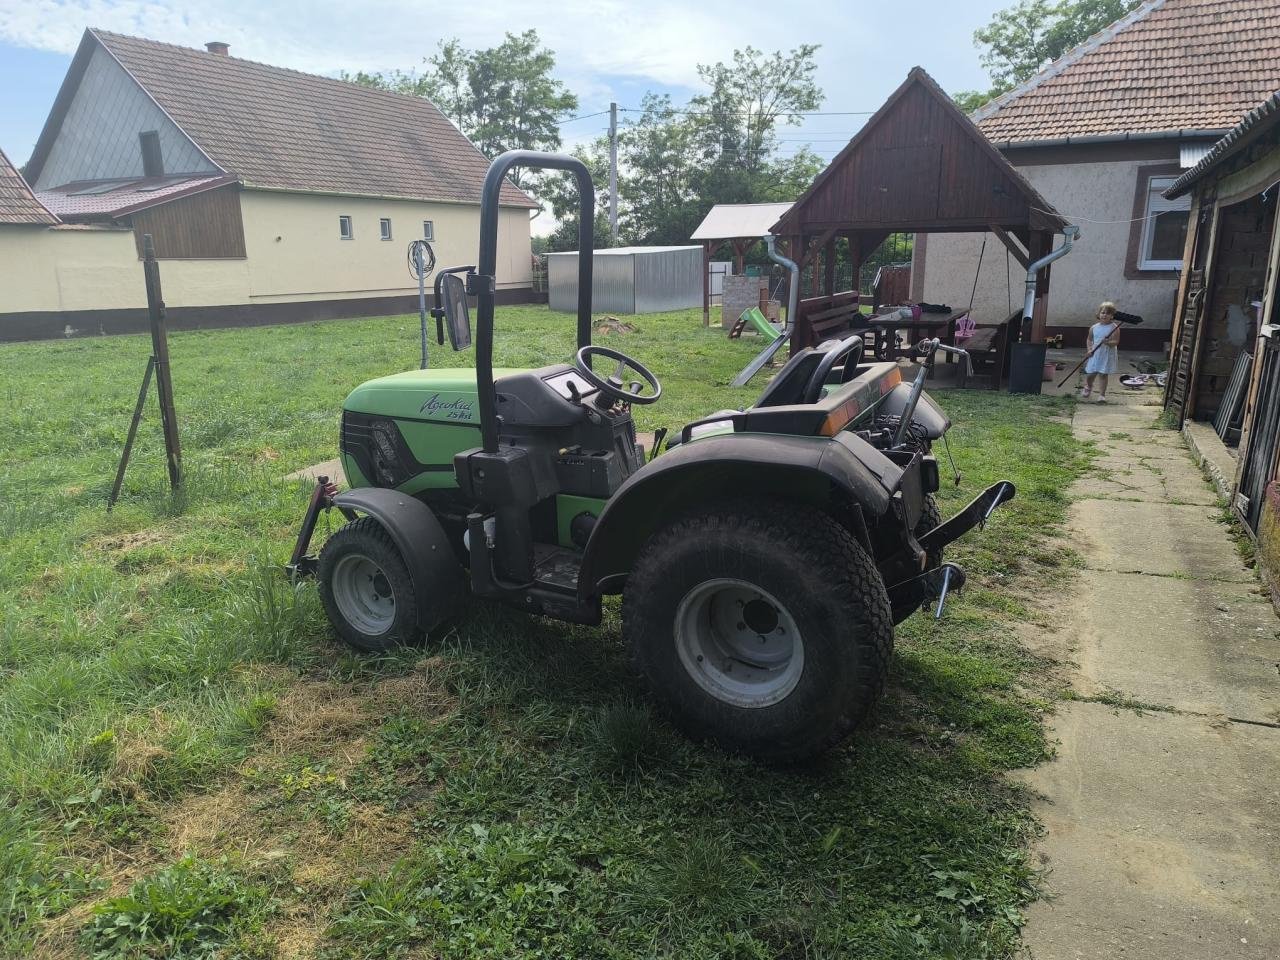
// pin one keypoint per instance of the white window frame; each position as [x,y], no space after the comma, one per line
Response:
[1155,205]
[384,228]
[428,230]
[346,230]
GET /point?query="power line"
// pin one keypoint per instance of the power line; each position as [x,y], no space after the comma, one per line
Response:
[785,113]
[585,116]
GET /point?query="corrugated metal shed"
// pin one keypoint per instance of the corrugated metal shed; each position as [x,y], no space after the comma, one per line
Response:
[629,279]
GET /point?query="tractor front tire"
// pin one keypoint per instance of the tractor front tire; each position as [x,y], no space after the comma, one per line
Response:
[760,625]
[366,589]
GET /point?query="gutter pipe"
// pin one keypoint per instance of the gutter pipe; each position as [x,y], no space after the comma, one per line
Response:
[793,304]
[1070,234]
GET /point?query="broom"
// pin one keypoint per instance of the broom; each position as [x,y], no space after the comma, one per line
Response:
[1121,318]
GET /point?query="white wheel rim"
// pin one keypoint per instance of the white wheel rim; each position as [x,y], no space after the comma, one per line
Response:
[363,594]
[739,643]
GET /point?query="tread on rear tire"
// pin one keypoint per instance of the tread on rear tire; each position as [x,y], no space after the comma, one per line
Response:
[820,579]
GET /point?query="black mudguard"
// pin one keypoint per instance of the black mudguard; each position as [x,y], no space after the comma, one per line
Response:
[715,468]
[928,414]
[418,535]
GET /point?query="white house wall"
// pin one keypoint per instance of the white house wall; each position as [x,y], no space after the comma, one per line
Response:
[295,252]
[1094,270]
[98,138]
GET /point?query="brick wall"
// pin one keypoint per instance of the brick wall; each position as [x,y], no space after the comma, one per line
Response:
[740,293]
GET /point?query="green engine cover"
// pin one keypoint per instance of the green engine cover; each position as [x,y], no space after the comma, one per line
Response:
[436,412]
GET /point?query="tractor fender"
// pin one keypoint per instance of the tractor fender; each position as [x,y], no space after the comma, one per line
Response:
[928,414]
[421,540]
[807,469]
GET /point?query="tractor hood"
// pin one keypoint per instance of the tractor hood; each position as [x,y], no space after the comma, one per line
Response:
[445,394]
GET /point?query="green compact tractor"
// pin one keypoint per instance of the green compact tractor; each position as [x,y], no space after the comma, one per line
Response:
[763,558]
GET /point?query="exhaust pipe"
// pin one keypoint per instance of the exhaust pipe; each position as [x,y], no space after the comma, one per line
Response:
[1070,234]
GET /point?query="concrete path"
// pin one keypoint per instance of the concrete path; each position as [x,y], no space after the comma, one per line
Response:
[1162,808]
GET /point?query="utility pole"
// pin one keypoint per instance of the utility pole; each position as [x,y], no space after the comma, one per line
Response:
[613,174]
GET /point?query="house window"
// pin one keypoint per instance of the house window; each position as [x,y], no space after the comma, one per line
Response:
[384,225]
[428,230]
[1164,229]
[344,228]
[152,159]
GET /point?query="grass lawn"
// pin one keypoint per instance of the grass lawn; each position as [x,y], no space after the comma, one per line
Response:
[188,762]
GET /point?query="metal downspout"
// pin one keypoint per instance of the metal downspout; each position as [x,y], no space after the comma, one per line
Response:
[1069,234]
[793,286]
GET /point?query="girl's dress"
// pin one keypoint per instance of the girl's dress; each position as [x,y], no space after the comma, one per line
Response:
[1105,359]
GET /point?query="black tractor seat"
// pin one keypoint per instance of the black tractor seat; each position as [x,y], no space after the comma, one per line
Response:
[840,405]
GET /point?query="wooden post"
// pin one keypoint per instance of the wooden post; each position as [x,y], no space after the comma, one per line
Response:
[160,353]
[829,267]
[706,283]
[855,266]
[1206,305]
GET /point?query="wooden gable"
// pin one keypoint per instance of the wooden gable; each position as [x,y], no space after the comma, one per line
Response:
[919,164]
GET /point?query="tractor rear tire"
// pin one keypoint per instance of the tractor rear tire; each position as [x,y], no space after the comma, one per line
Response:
[366,588]
[761,625]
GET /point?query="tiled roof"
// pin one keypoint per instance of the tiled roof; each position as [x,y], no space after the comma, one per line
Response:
[120,198]
[1170,66]
[17,203]
[1256,122]
[283,129]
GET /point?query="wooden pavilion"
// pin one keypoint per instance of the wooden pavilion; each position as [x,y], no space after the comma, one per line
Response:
[919,165]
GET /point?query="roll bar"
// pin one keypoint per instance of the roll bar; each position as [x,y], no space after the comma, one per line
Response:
[483,282]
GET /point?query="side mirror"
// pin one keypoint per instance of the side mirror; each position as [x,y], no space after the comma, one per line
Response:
[453,296]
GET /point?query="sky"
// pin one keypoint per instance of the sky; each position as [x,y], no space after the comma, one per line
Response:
[606,50]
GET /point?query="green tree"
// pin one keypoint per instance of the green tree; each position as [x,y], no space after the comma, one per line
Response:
[1020,40]
[502,98]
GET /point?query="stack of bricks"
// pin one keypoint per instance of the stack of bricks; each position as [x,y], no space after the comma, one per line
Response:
[740,293]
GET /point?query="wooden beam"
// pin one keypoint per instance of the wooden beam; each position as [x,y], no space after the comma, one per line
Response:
[706,284]
[829,267]
[811,251]
[1011,244]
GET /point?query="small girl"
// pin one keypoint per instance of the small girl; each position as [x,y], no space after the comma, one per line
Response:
[1104,339]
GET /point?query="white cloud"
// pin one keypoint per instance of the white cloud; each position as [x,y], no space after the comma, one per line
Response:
[659,41]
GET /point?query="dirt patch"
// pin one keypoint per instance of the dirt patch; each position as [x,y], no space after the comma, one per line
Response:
[249,818]
[127,542]
[614,325]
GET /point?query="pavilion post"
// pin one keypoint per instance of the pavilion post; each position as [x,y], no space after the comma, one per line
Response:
[706,283]
[829,267]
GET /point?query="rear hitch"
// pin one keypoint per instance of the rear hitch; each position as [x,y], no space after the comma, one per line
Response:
[923,589]
[975,514]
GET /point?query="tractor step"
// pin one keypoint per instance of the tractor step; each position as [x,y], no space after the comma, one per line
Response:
[556,567]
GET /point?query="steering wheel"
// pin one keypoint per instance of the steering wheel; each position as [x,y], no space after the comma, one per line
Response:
[850,350]
[615,386]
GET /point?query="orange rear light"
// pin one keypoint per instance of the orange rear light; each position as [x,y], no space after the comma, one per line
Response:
[890,380]
[840,417]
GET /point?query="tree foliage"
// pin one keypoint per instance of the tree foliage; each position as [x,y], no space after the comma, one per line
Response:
[1020,40]
[675,163]
[502,98]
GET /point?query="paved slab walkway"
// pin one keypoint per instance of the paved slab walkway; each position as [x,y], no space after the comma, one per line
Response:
[1162,822]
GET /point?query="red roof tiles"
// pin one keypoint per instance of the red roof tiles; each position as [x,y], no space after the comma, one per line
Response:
[1170,66]
[123,197]
[287,130]
[17,203]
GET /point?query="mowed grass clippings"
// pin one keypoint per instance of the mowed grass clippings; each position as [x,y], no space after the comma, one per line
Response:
[178,728]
